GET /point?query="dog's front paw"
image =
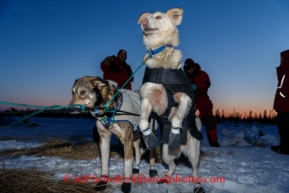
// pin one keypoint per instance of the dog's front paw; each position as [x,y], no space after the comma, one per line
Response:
[135,170]
[174,139]
[151,141]
[126,187]
[153,173]
[198,188]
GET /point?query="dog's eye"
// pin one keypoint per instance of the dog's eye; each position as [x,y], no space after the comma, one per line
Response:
[82,92]
[158,17]
[72,93]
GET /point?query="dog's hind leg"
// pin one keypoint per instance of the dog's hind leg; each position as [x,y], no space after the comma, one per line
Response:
[185,104]
[193,153]
[152,172]
[136,145]
[168,157]
[150,139]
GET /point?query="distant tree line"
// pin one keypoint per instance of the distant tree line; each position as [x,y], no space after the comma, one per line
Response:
[249,118]
[235,117]
[49,113]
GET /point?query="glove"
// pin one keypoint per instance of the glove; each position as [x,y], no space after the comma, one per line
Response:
[194,87]
[108,59]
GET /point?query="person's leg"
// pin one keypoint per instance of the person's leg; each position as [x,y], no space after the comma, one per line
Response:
[283,127]
[283,130]
[205,107]
[210,124]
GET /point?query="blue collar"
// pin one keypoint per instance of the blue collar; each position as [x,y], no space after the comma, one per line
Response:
[158,50]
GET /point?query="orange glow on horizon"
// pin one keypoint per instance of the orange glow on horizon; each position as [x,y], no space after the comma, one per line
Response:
[245,112]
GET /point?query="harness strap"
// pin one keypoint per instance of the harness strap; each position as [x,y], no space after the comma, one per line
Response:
[171,103]
[109,120]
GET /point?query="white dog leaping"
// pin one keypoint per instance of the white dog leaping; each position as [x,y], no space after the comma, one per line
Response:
[166,91]
[160,35]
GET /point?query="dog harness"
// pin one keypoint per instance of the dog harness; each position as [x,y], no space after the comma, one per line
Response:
[116,106]
[108,119]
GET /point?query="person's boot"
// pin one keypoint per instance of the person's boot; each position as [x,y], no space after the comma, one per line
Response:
[211,134]
[214,144]
[279,149]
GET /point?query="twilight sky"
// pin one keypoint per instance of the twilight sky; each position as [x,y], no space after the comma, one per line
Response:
[46,44]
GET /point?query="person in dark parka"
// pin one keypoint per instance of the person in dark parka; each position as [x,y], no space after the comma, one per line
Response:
[281,103]
[200,83]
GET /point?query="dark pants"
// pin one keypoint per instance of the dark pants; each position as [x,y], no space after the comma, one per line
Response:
[210,124]
[205,106]
[283,130]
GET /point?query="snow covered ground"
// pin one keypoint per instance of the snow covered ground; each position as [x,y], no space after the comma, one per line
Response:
[244,168]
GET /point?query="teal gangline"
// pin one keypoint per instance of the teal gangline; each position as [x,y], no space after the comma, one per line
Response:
[43,108]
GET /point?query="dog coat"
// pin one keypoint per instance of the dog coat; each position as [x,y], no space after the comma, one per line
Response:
[174,80]
[118,101]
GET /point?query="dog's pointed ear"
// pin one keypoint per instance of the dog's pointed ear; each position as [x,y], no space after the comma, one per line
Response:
[75,82]
[176,15]
[98,82]
[144,15]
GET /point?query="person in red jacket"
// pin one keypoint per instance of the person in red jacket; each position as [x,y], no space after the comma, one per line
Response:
[281,103]
[116,69]
[200,83]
